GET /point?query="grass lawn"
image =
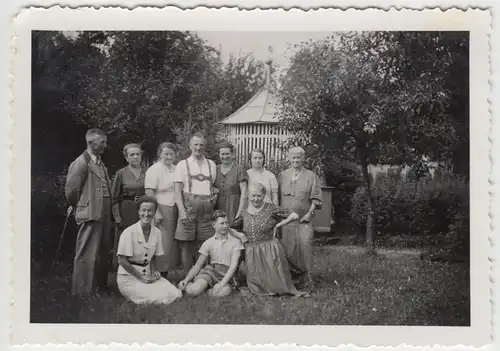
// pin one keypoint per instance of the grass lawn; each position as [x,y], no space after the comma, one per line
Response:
[392,288]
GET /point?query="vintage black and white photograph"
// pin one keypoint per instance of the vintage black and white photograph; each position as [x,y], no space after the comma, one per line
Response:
[210,177]
[336,166]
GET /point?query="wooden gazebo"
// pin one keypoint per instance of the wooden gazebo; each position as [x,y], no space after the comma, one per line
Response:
[255,125]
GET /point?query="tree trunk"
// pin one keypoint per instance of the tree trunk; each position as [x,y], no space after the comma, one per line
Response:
[370,230]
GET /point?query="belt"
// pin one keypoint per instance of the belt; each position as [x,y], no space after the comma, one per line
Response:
[143,264]
[197,196]
[227,193]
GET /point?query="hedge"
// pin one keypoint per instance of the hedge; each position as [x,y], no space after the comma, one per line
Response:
[433,209]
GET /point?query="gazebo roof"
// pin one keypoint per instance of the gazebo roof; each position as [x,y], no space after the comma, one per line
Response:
[261,108]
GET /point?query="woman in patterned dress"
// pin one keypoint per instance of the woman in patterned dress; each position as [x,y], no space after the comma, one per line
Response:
[231,180]
[128,185]
[267,268]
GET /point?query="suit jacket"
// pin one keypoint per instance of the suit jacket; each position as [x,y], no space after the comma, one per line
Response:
[83,189]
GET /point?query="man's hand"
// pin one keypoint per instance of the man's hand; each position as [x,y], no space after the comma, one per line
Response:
[119,223]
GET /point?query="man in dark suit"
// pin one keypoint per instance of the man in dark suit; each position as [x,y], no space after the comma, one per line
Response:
[88,192]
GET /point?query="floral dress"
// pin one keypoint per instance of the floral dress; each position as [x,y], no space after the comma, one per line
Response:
[267,268]
[230,192]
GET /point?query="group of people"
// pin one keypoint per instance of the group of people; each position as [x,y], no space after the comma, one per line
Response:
[204,226]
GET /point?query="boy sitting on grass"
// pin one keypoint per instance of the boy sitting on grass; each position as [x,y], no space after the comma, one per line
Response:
[223,251]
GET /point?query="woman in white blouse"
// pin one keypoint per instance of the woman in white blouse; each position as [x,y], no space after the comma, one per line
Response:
[140,244]
[159,183]
[258,174]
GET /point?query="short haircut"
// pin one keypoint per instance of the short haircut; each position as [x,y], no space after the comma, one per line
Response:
[258,186]
[225,145]
[197,135]
[259,151]
[131,146]
[146,198]
[166,145]
[297,149]
[92,133]
[218,214]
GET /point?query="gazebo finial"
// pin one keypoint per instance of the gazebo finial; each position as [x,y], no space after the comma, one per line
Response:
[269,62]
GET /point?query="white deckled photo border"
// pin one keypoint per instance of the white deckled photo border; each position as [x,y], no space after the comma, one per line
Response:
[477,22]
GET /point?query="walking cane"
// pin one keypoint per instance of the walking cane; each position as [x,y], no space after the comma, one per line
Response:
[68,214]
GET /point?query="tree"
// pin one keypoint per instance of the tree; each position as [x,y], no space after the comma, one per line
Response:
[368,97]
[158,86]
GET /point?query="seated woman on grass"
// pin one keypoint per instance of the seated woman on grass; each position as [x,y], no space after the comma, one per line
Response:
[138,279]
[223,251]
[267,267]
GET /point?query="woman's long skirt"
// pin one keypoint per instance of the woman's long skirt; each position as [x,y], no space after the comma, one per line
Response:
[297,239]
[171,258]
[160,292]
[267,269]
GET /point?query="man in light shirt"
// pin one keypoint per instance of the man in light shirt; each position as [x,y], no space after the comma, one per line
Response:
[195,197]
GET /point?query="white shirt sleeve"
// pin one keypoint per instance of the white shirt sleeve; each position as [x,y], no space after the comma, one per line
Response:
[151,178]
[180,171]
[213,170]
[159,245]
[125,245]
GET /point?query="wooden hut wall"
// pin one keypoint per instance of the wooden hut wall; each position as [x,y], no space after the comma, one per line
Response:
[267,137]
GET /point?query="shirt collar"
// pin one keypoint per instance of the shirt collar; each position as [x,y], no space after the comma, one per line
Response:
[295,171]
[192,159]
[140,234]
[221,237]
[94,157]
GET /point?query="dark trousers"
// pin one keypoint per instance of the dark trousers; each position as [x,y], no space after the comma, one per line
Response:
[93,253]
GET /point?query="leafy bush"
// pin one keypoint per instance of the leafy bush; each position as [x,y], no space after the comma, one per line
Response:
[437,209]
[48,208]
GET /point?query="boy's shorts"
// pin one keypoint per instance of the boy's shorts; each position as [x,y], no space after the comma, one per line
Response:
[213,274]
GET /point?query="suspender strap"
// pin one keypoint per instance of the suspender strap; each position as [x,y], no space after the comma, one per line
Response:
[210,175]
[190,180]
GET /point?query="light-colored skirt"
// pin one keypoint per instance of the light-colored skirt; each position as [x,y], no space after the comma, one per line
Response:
[171,258]
[267,269]
[159,292]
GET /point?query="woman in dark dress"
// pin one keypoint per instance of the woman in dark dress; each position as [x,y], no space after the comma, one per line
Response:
[266,265]
[231,180]
[128,185]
